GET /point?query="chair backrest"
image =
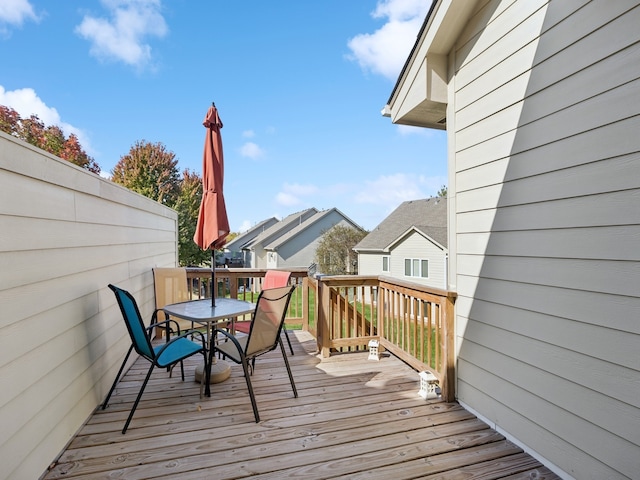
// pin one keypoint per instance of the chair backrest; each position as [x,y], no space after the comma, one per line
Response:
[170,286]
[134,323]
[275,278]
[268,318]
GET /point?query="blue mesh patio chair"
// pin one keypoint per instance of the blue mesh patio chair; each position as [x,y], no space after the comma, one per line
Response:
[164,355]
[264,336]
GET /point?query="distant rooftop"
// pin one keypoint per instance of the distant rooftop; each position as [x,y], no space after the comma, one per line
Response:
[428,215]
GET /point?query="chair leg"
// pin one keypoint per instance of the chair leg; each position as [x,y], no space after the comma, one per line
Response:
[245,367]
[288,341]
[135,404]
[204,373]
[106,400]
[286,362]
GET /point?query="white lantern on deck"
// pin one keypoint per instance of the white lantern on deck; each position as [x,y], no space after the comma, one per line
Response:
[374,350]
[428,385]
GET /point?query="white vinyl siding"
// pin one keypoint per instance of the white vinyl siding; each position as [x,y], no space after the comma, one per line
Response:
[417,247]
[67,234]
[370,264]
[547,219]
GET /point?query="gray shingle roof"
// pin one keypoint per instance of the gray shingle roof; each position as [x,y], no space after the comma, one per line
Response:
[281,227]
[305,225]
[429,215]
[237,243]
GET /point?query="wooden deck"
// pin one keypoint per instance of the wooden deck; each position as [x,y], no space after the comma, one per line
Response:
[353,418]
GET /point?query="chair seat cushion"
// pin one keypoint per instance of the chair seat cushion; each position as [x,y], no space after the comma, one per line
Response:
[177,350]
[230,350]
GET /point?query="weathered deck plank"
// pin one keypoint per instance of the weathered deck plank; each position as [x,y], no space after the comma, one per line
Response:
[353,418]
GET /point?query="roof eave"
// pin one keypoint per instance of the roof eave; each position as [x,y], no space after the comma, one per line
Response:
[420,95]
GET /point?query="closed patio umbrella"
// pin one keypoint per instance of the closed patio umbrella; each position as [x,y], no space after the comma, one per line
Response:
[213,225]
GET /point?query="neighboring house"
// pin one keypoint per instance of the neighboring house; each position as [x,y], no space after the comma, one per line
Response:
[297,247]
[540,103]
[254,249]
[293,241]
[234,247]
[410,244]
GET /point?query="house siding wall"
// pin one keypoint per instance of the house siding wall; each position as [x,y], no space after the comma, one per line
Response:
[260,257]
[300,251]
[371,264]
[543,119]
[66,234]
[417,246]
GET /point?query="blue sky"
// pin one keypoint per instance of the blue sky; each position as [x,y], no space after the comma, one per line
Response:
[299,86]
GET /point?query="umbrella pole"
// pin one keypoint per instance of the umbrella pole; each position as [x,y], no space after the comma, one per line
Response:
[213,277]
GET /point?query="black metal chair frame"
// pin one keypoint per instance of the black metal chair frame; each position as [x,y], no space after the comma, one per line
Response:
[241,354]
[141,343]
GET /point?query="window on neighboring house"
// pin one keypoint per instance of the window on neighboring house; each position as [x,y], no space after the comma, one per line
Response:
[416,267]
[385,264]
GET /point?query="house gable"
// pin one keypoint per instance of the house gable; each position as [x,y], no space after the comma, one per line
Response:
[255,247]
[416,247]
[237,243]
[430,212]
[297,248]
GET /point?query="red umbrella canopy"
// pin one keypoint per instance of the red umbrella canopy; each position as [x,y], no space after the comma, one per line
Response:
[213,225]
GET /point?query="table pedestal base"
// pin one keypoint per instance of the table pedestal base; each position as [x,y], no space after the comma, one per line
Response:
[220,371]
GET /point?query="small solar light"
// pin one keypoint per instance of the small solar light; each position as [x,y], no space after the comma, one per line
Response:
[428,385]
[374,351]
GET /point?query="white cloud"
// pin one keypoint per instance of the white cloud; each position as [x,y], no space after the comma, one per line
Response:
[245,226]
[292,194]
[385,51]
[248,134]
[251,150]
[15,12]
[26,102]
[287,199]
[298,189]
[122,36]
[395,189]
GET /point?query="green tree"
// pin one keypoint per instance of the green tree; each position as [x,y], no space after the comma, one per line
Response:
[335,255]
[442,192]
[187,206]
[53,140]
[151,170]
[31,130]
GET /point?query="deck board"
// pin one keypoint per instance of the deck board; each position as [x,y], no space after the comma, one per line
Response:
[354,418]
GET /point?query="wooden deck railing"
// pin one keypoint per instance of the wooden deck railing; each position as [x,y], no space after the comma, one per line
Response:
[413,322]
[245,284]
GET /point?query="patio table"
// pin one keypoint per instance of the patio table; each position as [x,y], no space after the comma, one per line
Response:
[202,312]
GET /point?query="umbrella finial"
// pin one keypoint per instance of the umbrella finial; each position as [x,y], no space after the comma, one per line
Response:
[213,104]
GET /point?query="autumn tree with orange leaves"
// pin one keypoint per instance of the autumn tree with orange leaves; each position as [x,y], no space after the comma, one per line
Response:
[50,139]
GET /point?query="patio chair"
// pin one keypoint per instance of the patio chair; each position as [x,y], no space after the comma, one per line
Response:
[264,336]
[272,279]
[165,355]
[170,286]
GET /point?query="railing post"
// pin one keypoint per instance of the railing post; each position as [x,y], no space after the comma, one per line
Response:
[305,304]
[380,305]
[449,370]
[323,318]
